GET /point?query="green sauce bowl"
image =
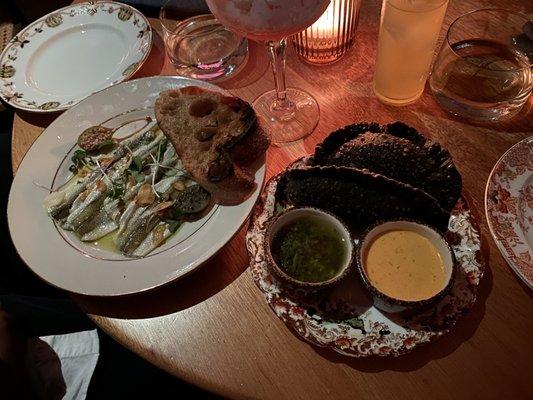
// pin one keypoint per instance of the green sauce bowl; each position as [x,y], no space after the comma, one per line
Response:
[331,225]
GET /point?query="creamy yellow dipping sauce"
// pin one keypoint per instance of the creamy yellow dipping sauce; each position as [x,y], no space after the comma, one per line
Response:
[404,265]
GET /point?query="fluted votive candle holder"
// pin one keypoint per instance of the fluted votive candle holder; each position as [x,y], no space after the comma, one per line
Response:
[330,37]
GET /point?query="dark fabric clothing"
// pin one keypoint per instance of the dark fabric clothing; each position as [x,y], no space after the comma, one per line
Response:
[30,10]
[42,310]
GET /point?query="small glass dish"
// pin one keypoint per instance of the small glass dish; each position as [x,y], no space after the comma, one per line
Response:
[200,47]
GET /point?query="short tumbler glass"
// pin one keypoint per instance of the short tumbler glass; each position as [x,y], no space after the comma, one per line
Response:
[200,47]
[484,69]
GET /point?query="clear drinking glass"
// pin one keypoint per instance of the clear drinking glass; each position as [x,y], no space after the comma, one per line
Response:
[407,38]
[199,46]
[484,68]
[330,37]
[288,114]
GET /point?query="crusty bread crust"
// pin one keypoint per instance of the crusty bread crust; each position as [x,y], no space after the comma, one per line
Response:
[217,137]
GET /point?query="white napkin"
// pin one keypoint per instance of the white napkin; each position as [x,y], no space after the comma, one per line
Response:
[65,363]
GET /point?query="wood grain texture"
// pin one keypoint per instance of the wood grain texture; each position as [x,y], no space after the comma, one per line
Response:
[214,328]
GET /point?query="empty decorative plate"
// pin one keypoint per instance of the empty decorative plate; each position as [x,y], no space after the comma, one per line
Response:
[70,53]
[509,208]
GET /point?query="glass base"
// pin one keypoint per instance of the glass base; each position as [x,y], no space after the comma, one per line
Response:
[397,102]
[216,72]
[293,122]
[476,112]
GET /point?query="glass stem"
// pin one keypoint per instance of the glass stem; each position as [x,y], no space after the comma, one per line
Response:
[276,50]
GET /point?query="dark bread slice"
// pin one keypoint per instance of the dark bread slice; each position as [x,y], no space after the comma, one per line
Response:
[396,151]
[217,138]
[359,197]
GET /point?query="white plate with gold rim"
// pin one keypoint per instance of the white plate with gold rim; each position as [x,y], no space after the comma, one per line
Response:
[72,52]
[64,261]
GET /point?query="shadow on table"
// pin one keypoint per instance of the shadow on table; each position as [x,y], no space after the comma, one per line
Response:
[213,276]
[464,330]
[38,119]
[527,290]
[257,64]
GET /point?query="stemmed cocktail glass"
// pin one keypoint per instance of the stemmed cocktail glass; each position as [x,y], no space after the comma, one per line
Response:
[288,114]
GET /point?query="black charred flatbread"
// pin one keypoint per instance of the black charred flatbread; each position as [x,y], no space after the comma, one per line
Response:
[398,152]
[360,198]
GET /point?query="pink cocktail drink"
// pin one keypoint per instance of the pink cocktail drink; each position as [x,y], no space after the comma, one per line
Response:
[288,114]
[265,20]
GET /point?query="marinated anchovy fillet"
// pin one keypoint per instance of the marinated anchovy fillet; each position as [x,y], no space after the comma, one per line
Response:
[93,201]
[396,151]
[157,236]
[107,219]
[59,202]
[138,220]
[139,193]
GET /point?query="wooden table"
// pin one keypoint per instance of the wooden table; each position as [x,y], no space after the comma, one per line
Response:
[214,328]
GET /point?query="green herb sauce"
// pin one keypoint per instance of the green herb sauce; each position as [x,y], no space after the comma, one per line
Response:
[309,250]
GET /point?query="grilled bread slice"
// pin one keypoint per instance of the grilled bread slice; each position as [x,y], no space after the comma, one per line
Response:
[396,151]
[359,197]
[217,138]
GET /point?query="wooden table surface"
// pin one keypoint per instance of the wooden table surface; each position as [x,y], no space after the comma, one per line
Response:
[214,328]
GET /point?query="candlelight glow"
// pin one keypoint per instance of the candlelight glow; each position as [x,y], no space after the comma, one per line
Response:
[331,35]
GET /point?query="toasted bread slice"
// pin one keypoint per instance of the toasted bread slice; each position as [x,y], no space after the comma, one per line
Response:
[359,197]
[217,138]
[396,151]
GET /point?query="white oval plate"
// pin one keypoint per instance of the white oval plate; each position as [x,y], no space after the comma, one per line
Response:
[72,52]
[64,261]
[509,208]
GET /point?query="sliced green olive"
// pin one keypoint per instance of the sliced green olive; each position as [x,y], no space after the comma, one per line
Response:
[95,137]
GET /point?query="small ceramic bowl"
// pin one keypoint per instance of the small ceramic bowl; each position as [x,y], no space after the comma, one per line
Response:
[279,221]
[390,304]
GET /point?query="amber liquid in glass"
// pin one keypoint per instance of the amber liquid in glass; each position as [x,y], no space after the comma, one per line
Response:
[407,38]
[487,73]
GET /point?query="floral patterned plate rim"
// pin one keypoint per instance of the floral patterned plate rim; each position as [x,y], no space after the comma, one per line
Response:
[75,51]
[509,208]
[346,320]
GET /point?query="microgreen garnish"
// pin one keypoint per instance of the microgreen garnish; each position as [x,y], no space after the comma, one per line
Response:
[79,158]
[116,191]
[154,173]
[138,176]
[115,187]
[171,172]
[136,164]
[42,186]
[173,226]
